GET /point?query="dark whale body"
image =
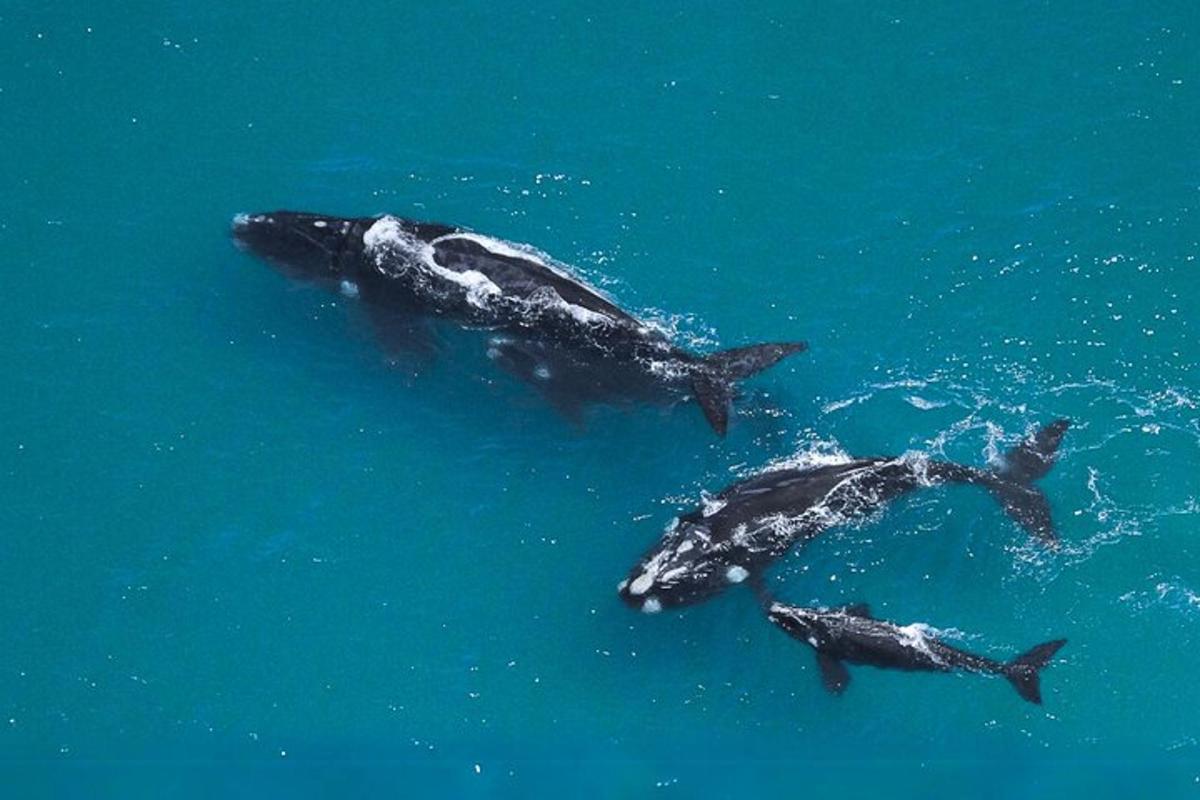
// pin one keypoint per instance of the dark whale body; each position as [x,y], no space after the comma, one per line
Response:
[851,635]
[750,524]
[549,328]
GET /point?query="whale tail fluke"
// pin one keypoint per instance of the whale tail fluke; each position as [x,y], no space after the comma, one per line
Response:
[713,383]
[1034,457]
[1012,484]
[1023,672]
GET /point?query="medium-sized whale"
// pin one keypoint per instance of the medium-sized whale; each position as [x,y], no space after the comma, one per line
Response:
[542,316]
[740,532]
[851,635]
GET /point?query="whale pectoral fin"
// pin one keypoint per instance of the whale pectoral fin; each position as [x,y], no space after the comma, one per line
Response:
[406,341]
[544,369]
[568,406]
[834,674]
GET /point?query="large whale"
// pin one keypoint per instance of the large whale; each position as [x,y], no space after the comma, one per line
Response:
[544,319]
[851,635]
[740,532]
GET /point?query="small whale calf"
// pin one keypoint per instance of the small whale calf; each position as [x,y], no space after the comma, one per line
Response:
[851,635]
[746,527]
[544,317]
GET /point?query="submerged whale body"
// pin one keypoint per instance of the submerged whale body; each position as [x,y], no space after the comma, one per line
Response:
[851,635]
[554,331]
[745,528]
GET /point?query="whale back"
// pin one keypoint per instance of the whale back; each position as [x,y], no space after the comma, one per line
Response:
[521,275]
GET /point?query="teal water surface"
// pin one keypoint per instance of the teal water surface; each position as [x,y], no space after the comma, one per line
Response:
[243,555]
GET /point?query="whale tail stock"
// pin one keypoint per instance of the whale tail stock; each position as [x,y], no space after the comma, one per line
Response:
[1012,484]
[1023,672]
[713,382]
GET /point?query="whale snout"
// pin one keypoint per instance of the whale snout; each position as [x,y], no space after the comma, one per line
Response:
[304,246]
[254,232]
[239,229]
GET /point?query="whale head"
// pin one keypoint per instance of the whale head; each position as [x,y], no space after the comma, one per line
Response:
[314,248]
[691,563]
[800,623]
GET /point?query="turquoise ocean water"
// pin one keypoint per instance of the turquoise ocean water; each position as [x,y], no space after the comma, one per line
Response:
[241,555]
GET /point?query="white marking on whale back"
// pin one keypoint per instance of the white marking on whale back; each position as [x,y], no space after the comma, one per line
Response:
[387,236]
[386,233]
[320,223]
[581,314]
[500,247]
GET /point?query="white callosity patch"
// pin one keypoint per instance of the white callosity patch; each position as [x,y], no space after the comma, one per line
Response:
[651,571]
[320,223]
[675,572]
[642,583]
[736,574]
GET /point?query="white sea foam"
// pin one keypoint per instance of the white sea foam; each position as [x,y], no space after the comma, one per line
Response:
[917,636]
[925,405]
[816,453]
[711,505]
[838,405]
[1172,594]
[668,370]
